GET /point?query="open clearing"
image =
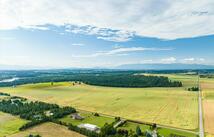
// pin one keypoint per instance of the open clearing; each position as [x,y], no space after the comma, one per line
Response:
[207,86]
[9,124]
[48,130]
[175,107]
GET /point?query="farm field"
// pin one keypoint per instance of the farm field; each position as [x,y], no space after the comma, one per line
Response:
[10,124]
[48,130]
[207,86]
[175,107]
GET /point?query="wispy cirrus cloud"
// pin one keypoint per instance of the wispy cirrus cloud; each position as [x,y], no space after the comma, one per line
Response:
[164,19]
[120,52]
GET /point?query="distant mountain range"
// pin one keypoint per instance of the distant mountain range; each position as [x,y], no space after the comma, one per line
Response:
[174,66]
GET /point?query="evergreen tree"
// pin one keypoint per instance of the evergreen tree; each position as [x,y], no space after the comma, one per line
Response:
[138,131]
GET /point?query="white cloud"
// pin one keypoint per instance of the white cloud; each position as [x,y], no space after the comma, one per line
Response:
[193,60]
[101,33]
[189,59]
[77,44]
[168,60]
[35,27]
[165,19]
[120,52]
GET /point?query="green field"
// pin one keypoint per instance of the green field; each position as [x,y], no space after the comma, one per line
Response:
[175,107]
[88,118]
[9,124]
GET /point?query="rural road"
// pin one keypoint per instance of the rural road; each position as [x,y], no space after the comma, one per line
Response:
[201,125]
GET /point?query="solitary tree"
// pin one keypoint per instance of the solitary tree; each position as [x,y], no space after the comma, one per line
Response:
[138,131]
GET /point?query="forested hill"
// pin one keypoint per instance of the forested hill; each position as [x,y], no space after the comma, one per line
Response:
[112,79]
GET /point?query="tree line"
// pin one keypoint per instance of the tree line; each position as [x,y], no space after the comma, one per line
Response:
[36,111]
[126,79]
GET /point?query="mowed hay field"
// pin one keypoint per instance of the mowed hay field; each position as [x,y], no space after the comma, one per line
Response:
[48,130]
[207,86]
[175,107]
[9,124]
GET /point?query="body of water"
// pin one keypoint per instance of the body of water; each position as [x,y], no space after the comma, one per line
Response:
[8,80]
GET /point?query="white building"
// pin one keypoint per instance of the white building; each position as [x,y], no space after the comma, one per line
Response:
[89,127]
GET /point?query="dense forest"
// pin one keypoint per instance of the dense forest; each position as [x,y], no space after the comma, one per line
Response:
[129,81]
[100,78]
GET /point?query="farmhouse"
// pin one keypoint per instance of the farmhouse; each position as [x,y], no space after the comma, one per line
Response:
[76,116]
[89,127]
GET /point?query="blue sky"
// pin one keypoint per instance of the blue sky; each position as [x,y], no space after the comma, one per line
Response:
[99,34]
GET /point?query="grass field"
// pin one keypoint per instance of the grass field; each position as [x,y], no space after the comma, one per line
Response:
[175,107]
[88,118]
[9,124]
[48,130]
[207,86]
